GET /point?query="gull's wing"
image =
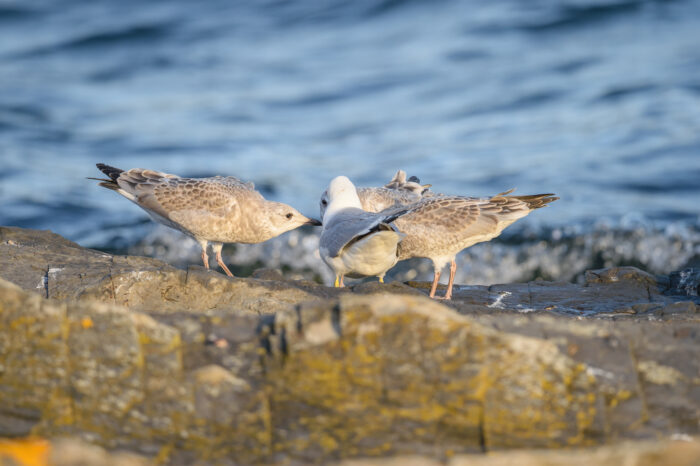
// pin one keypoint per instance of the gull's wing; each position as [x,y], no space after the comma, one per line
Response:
[450,218]
[352,224]
[197,205]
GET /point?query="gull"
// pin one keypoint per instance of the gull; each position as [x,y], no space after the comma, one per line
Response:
[216,209]
[353,241]
[397,191]
[439,226]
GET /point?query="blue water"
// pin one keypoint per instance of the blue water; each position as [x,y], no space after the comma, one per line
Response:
[595,100]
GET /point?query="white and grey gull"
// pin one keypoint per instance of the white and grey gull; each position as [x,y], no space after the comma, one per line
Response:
[355,242]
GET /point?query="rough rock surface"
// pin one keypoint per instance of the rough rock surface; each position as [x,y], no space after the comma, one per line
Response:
[178,365]
[676,452]
[654,453]
[686,281]
[56,268]
[63,452]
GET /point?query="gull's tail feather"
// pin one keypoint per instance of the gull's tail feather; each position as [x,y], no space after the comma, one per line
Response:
[412,184]
[535,201]
[113,174]
[109,184]
[397,181]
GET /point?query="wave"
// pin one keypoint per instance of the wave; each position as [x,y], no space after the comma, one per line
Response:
[558,254]
[128,35]
[584,15]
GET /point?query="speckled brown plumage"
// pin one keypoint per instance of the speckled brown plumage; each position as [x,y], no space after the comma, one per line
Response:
[397,191]
[440,226]
[216,209]
[378,199]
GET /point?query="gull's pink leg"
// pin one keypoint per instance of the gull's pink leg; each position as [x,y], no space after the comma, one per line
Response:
[435,283]
[453,270]
[217,248]
[205,259]
[342,285]
[222,265]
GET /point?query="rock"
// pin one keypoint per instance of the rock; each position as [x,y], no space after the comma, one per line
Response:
[58,269]
[73,452]
[268,274]
[620,274]
[363,375]
[652,453]
[686,281]
[129,353]
[407,375]
[406,460]
[62,270]
[23,451]
[63,452]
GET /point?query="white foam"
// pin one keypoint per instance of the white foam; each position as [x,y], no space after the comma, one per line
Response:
[498,303]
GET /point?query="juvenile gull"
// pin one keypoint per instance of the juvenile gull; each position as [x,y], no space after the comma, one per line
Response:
[353,241]
[216,209]
[439,226]
[397,191]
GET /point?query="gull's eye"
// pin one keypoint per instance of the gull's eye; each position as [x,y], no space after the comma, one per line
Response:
[290,215]
[324,202]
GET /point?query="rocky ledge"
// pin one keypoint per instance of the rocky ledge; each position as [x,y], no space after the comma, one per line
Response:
[182,366]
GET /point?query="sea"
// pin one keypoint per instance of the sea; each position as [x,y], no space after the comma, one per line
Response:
[597,101]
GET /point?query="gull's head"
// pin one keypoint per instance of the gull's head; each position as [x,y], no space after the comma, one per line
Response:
[283,218]
[323,205]
[340,194]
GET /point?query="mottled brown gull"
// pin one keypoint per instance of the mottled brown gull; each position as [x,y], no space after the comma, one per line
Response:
[216,209]
[440,226]
[355,242]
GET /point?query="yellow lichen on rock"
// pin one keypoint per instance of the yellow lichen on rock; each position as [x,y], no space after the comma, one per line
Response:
[405,367]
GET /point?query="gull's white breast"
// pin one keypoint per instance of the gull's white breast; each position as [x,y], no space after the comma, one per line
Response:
[372,255]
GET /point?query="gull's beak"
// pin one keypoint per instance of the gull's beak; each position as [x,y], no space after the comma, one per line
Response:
[314,222]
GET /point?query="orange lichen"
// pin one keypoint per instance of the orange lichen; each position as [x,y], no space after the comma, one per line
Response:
[87,323]
[25,452]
